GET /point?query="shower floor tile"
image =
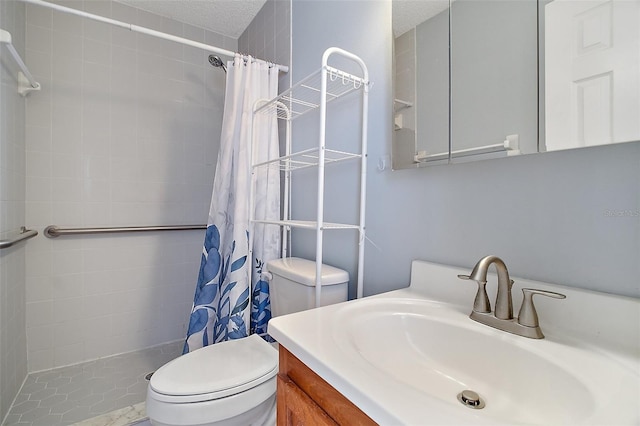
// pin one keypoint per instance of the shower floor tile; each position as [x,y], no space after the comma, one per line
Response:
[67,395]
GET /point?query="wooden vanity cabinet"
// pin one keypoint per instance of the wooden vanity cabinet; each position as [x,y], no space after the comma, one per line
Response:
[304,398]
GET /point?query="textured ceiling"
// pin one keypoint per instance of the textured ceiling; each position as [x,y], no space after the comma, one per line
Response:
[226,17]
[232,17]
[409,13]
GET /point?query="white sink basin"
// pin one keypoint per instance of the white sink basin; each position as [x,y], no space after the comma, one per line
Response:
[403,357]
[437,350]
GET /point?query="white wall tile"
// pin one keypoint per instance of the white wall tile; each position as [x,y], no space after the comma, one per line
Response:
[67,310]
[39,39]
[122,12]
[123,37]
[65,262]
[40,338]
[39,313]
[96,166]
[66,190]
[40,16]
[68,285]
[99,31]
[96,283]
[39,164]
[213,38]
[39,65]
[93,29]
[40,266]
[40,360]
[96,345]
[65,165]
[96,75]
[98,52]
[39,288]
[151,45]
[68,333]
[96,214]
[38,131]
[38,215]
[68,355]
[38,189]
[66,131]
[149,20]
[65,213]
[66,45]
[98,306]
[67,23]
[95,327]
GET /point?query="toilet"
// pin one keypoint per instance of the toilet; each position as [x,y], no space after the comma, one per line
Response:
[234,382]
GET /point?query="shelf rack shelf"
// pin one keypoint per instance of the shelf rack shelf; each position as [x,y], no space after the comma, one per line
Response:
[307,224]
[306,95]
[314,93]
[308,158]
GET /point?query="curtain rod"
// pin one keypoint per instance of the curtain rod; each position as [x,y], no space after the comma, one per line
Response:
[144,30]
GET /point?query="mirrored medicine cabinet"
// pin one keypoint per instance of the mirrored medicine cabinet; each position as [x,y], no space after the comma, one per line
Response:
[477,79]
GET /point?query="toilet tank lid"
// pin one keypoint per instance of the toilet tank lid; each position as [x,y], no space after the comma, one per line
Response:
[303,271]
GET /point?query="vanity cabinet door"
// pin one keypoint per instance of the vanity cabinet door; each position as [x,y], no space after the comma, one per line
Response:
[304,398]
[296,407]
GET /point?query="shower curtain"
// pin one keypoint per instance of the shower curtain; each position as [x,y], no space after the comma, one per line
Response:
[224,305]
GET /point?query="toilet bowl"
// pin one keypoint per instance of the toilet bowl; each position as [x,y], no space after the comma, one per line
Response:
[230,383]
[234,382]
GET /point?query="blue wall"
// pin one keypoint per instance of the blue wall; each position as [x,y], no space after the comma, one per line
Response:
[547,215]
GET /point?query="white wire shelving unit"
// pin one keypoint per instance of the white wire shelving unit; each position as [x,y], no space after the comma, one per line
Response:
[311,94]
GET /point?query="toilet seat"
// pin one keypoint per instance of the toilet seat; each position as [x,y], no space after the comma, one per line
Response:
[216,371]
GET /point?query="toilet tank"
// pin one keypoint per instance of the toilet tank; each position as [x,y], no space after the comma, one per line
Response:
[292,287]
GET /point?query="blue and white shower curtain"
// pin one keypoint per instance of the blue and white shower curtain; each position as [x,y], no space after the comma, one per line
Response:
[224,306]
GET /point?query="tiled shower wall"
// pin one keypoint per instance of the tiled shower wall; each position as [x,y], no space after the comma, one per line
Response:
[13,345]
[268,37]
[125,132]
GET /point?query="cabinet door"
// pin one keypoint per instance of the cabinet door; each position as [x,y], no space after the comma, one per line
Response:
[305,398]
[296,407]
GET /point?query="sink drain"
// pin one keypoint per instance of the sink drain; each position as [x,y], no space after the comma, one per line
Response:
[471,399]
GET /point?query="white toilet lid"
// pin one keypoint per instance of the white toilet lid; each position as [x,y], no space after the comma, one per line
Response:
[217,370]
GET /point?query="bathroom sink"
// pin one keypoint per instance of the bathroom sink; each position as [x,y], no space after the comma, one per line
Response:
[435,349]
[403,357]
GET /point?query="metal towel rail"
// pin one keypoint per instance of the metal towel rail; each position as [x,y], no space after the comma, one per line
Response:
[24,234]
[52,231]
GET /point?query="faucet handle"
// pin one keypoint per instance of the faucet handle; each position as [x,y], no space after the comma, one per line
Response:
[528,315]
[481,303]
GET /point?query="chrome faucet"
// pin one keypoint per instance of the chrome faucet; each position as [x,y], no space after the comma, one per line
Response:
[502,318]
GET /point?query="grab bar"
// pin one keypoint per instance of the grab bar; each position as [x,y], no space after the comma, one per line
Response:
[24,234]
[52,231]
